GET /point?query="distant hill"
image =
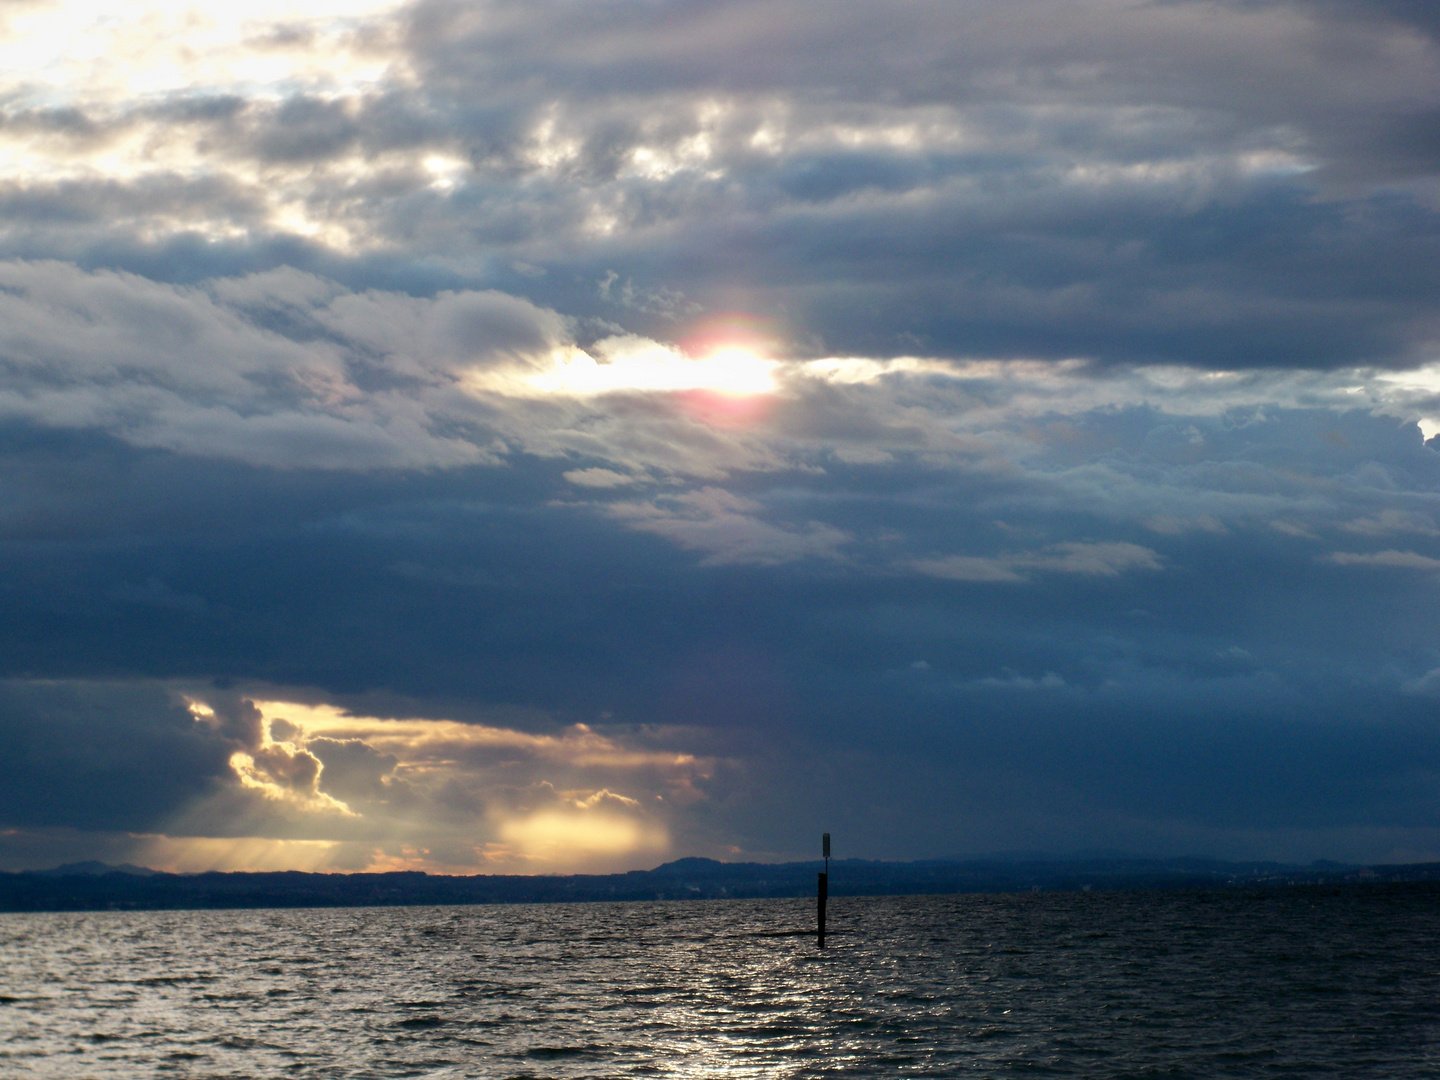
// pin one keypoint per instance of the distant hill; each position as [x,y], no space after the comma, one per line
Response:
[95,886]
[93,869]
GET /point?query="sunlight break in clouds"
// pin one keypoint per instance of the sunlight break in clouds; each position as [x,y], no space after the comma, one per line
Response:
[639,365]
[422,741]
[201,854]
[130,77]
[81,52]
[575,835]
[439,794]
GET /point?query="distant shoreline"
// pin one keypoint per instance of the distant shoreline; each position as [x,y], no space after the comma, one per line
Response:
[96,887]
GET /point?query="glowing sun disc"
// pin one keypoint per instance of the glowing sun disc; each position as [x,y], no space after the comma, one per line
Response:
[636,364]
[735,371]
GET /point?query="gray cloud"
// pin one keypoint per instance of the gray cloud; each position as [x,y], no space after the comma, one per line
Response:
[1070,558]
[1402,560]
[723,526]
[280,369]
[97,756]
[1229,185]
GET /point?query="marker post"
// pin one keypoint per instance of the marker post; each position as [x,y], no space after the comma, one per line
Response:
[824,889]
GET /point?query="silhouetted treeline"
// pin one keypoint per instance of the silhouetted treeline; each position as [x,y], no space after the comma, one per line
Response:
[93,886]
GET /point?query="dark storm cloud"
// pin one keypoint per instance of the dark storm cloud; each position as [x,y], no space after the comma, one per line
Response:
[101,756]
[1255,685]
[1415,14]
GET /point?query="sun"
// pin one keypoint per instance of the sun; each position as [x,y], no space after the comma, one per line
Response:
[630,364]
[724,368]
[735,371]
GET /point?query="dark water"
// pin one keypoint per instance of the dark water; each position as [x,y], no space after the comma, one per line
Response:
[1289,982]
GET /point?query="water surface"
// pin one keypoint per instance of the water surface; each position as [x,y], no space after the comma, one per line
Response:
[1283,982]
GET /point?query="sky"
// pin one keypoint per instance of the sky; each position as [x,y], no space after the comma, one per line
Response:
[554,436]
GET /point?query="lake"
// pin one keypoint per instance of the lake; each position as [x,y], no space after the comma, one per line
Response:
[1298,981]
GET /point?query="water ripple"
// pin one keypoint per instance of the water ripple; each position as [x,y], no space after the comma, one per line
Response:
[1305,982]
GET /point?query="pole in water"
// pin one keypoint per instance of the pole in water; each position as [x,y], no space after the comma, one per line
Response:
[824,888]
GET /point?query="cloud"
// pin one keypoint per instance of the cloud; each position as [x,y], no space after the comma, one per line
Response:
[1173,526]
[599,478]
[556,836]
[353,768]
[274,768]
[554,826]
[288,370]
[424,739]
[469,794]
[314,786]
[358,381]
[726,529]
[102,755]
[1399,560]
[630,363]
[1009,680]
[1090,559]
[1427,685]
[1058,180]
[1391,522]
[562,422]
